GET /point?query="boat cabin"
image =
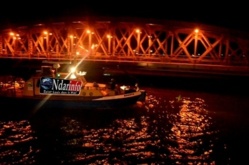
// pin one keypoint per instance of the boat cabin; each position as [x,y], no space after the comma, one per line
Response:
[32,86]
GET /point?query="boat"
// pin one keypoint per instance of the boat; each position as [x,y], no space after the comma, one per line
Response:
[51,88]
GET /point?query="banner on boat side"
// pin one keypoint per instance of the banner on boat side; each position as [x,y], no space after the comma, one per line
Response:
[50,85]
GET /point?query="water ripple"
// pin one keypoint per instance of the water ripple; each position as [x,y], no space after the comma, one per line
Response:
[17,143]
[176,131]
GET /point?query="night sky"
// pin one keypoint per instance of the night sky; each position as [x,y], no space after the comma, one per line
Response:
[233,14]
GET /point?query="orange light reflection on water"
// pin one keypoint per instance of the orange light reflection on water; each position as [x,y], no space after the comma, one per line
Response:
[191,125]
[166,131]
[14,134]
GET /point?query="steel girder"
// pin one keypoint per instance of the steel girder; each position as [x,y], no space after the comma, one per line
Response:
[153,41]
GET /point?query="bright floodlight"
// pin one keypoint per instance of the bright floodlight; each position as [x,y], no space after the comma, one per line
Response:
[72,70]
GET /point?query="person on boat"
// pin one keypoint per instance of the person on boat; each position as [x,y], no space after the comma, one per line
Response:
[112,84]
[136,87]
[117,89]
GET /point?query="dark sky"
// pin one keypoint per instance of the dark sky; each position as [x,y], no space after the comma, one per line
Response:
[230,14]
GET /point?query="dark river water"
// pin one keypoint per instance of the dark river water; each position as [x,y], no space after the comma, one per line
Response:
[183,121]
[176,125]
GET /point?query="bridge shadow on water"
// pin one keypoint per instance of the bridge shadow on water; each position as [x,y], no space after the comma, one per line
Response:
[237,85]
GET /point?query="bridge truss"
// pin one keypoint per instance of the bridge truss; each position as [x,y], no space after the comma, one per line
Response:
[130,40]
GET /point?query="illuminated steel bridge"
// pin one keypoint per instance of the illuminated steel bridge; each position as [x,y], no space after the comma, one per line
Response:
[169,44]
